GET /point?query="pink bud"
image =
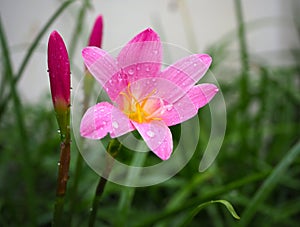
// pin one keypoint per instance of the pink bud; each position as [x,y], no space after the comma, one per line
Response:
[96,34]
[59,71]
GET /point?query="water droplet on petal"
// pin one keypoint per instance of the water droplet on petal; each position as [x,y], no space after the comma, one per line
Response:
[169,107]
[130,71]
[195,64]
[153,80]
[115,124]
[147,68]
[155,51]
[138,68]
[150,134]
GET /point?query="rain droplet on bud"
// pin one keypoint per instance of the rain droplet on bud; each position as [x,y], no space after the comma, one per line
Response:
[130,71]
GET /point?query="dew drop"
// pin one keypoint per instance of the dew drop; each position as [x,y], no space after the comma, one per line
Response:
[147,69]
[155,51]
[58,163]
[195,64]
[150,134]
[130,71]
[138,68]
[115,124]
[169,107]
[153,80]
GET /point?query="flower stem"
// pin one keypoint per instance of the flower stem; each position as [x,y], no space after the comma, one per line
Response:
[113,149]
[62,178]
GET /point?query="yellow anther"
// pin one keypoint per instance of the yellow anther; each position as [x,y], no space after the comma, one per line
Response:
[135,109]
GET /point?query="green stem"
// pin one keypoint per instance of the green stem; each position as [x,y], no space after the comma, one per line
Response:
[243,49]
[31,50]
[78,28]
[113,149]
[27,173]
[63,173]
[269,184]
[127,193]
[244,80]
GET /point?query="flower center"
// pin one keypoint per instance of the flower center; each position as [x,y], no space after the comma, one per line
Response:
[141,111]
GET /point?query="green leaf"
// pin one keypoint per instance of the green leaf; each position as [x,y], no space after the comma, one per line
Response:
[229,207]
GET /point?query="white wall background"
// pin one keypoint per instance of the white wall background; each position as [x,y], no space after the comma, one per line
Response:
[208,20]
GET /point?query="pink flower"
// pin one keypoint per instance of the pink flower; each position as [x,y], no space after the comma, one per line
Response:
[145,98]
[59,71]
[97,33]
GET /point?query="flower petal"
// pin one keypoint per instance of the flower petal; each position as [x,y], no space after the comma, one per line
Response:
[121,124]
[187,71]
[158,137]
[142,56]
[96,122]
[201,94]
[187,107]
[104,118]
[100,64]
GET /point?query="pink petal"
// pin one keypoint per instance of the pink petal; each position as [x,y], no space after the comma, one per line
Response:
[158,87]
[100,64]
[121,124]
[201,94]
[104,118]
[142,56]
[158,137]
[187,106]
[187,71]
[96,122]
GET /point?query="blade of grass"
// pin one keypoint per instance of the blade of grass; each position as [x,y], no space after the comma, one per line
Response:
[228,205]
[269,184]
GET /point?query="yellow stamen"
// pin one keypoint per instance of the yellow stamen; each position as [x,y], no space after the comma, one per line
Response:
[135,109]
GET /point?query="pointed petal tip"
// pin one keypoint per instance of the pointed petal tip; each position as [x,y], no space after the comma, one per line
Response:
[146,35]
[165,157]
[205,58]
